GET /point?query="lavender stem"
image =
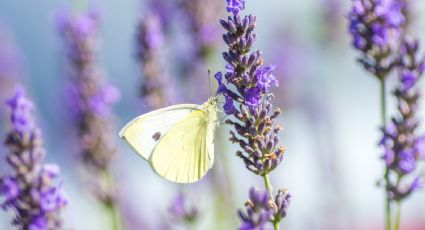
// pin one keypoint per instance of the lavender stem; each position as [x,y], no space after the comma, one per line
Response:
[276,225]
[267,183]
[370,22]
[112,206]
[386,175]
[269,189]
[383,104]
[397,217]
[113,212]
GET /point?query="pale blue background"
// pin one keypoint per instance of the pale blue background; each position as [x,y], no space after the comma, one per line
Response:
[344,122]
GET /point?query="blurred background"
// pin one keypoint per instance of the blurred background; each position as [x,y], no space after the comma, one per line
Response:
[330,114]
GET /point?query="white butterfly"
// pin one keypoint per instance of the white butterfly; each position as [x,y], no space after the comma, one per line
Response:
[178,141]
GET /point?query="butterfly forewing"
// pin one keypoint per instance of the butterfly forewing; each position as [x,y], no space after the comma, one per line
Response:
[184,153]
[145,132]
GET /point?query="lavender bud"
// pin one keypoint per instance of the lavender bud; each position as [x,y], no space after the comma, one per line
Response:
[224,24]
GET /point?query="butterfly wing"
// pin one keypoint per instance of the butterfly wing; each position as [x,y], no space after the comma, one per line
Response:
[144,132]
[184,153]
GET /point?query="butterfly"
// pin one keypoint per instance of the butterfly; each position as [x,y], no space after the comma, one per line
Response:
[177,141]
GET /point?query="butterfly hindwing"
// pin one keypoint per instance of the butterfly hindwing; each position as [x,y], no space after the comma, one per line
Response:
[184,154]
[144,132]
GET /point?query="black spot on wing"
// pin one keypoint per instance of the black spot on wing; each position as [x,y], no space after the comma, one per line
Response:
[156,136]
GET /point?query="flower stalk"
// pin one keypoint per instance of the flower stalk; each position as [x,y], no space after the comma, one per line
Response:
[403,147]
[378,30]
[246,89]
[90,98]
[386,174]
[376,27]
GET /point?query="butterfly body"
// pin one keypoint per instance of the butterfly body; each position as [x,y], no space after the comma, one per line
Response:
[178,141]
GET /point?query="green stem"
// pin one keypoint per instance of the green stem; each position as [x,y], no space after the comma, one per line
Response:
[388,212]
[386,175]
[383,104]
[111,206]
[276,225]
[397,217]
[114,216]
[269,189]
[267,183]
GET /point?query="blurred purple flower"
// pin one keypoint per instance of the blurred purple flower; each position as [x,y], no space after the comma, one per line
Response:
[9,188]
[417,184]
[180,213]
[91,99]
[177,207]
[376,22]
[248,83]
[149,43]
[101,103]
[419,148]
[30,192]
[165,10]
[376,27]
[403,148]
[408,80]
[200,18]
[153,34]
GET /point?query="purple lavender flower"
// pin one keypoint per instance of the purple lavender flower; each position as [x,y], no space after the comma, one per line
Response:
[150,41]
[30,191]
[246,89]
[281,204]
[164,10]
[403,148]
[258,134]
[259,211]
[180,213]
[235,6]
[377,28]
[91,99]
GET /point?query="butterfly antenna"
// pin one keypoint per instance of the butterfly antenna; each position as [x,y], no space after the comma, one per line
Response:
[209,81]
